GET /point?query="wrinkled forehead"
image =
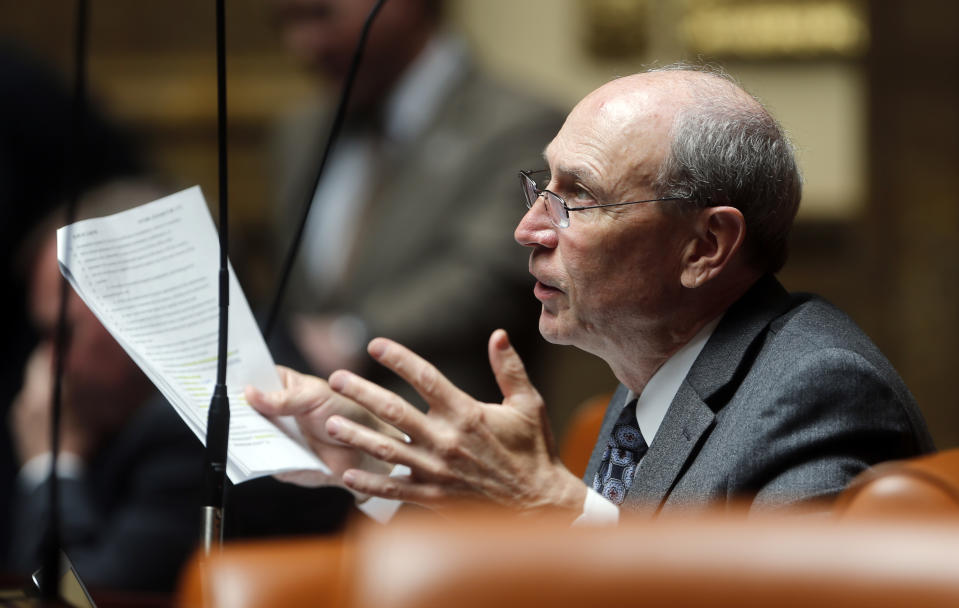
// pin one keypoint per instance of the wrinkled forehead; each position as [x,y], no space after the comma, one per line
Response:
[618,133]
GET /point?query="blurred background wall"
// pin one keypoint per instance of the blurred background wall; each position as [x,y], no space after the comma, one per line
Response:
[868,90]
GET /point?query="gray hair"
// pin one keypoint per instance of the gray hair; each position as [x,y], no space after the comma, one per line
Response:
[727,150]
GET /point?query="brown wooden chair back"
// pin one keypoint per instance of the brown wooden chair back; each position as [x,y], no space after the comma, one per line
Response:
[928,485]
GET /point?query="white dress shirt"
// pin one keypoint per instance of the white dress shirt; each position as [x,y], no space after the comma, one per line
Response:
[351,175]
[651,408]
[36,470]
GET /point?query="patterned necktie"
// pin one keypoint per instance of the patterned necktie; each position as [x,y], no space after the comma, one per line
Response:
[623,451]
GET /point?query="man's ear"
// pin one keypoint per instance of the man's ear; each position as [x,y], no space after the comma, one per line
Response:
[717,235]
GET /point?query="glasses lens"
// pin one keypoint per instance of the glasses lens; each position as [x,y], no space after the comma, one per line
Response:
[529,189]
[557,210]
[534,185]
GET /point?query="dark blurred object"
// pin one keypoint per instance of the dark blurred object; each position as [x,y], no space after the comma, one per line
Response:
[133,518]
[35,114]
[265,507]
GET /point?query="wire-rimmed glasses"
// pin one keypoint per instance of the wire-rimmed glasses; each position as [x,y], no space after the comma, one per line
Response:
[556,207]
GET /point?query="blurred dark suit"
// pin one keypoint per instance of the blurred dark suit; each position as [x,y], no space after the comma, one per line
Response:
[433,265]
[35,131]
[133,518]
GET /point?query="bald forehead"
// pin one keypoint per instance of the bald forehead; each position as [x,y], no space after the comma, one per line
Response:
[619,133]
[626,102]
[620,111]
[632,116]
[637,90]
[660,93]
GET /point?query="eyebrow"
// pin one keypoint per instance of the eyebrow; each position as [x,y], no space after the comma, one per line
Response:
[582,174]
[564,170]
[587,177]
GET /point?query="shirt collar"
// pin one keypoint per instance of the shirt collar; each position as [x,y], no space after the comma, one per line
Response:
[662,387]
[423,87]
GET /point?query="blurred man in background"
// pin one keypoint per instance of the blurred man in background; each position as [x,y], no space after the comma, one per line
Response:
[35,115]
[129,468]
[409,233]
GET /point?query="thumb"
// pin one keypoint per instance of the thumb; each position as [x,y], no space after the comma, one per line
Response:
[265,403]
[508,368]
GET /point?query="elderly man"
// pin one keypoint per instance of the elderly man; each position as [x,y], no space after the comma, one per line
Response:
[654,237]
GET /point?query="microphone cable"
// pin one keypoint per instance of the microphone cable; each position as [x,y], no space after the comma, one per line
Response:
[50,560]
[335,128]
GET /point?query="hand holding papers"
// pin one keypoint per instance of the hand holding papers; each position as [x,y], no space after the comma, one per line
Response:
[150,276]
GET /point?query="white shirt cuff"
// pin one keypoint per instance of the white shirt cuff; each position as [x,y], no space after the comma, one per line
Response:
[383,509]
[597,511]
[36,470]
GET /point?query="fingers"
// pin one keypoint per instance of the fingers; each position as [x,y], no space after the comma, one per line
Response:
[396,488]
[306,479]
[376,444]
[380,402]
[435,389]
[301,394]
[508,368]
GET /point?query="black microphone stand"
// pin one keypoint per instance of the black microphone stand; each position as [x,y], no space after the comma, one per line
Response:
[218,417]
[51,564]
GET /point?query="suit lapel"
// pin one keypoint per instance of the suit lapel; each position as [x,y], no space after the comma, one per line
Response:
[730,350]
[711,380]
[687,419]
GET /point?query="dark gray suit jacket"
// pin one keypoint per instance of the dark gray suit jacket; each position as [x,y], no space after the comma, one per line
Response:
[786,403]
[436,268]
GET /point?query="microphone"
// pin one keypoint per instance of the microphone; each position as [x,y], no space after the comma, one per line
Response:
[335,128]
[51,563]
[218,416]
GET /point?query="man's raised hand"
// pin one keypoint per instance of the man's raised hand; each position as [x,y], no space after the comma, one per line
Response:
[311,402]
[461,449]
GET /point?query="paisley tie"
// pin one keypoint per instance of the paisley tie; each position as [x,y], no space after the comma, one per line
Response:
[623,451]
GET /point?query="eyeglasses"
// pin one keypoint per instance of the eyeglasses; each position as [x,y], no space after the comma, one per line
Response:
[556,207]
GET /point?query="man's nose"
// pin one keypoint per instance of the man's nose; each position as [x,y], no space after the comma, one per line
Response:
[535,228]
